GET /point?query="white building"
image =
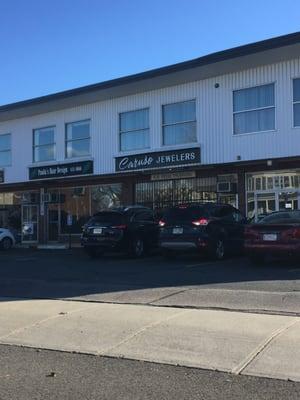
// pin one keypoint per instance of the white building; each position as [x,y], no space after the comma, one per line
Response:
[223,127]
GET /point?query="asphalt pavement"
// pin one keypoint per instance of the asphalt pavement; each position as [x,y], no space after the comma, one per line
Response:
[187,281]
[30,374]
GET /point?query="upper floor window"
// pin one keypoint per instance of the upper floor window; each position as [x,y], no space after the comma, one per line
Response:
[179,123]
[296,101]
[5,150]
[77,139]
[254,109]
[44,144]
[134,130]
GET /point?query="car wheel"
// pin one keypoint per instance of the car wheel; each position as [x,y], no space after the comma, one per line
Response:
[6,243]
[219,250]
[137,247]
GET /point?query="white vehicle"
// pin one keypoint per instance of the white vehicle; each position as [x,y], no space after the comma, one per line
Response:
[7,239]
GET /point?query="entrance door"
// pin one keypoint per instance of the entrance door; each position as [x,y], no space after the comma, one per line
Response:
[53,222]
[288,201]
[30,223]
[267,202]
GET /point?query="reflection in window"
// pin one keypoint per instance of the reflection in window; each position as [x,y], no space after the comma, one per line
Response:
[43,144]
[78,139]
[254,109]
[134,130]
[296,101]
[105,196]
[179,123]
[5,150]
[75,202]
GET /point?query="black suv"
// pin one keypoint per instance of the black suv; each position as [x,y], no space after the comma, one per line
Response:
[214,229]
[131,229]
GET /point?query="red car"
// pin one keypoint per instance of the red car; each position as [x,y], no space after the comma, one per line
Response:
[277,234]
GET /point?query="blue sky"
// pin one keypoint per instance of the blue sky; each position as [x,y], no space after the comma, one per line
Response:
[48,46]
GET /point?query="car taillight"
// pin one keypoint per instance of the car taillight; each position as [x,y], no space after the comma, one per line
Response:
[161,223]
[119,227]
[201,222]
[251,234]
[295,233]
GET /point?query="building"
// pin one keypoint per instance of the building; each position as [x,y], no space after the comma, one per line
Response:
[224,127]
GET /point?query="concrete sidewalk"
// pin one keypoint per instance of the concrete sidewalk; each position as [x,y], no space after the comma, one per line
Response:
[240,343]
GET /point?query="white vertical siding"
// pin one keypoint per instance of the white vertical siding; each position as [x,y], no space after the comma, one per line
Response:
[214,122]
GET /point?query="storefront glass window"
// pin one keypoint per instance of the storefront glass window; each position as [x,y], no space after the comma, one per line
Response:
[10,212]
[168,193]
[74,209]
[105,196]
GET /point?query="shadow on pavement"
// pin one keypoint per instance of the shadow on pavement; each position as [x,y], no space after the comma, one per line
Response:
[28,273]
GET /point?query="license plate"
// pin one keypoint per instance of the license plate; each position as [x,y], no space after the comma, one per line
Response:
[98,231]
[177,231]
[270,237]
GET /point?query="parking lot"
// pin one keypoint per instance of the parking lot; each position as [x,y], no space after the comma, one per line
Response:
[187,281]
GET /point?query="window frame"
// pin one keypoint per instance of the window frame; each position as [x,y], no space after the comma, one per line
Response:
[7,150]
[133,130]
[255,109]
[178,123]
[34,145]
[293,103]
[77,140]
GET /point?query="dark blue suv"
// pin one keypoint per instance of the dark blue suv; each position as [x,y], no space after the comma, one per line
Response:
[209,228]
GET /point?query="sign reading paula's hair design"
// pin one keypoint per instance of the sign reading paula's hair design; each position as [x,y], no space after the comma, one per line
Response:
[61,170]
[161,159]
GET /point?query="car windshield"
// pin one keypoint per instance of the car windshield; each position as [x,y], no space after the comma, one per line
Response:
[284,217]
[184,213]
[107,218]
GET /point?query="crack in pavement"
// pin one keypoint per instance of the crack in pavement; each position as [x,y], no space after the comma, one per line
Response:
[261,347]
[40,322]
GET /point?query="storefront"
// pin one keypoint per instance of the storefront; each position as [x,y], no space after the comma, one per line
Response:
[272,191]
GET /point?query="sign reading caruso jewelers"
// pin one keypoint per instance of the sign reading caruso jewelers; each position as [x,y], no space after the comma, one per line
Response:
[61,170]
[161,159]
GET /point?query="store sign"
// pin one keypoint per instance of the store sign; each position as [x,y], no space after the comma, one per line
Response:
[173,175]
[161,159]
[2,176]
[61,170]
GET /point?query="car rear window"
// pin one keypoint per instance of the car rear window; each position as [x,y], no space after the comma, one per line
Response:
[107,218]
[184,213]
[281,218]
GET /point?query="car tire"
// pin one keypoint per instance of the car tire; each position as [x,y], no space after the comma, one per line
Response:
[137,247]
[218,252]
[6,243]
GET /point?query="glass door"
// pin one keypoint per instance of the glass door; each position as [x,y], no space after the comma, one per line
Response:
[29,223]
[288,201]
[265,203]
[53,222]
